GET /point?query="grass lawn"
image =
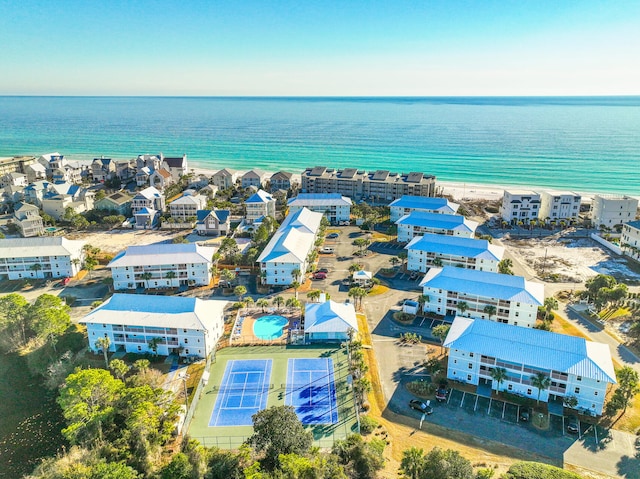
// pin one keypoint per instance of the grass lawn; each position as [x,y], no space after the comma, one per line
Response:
[231,437]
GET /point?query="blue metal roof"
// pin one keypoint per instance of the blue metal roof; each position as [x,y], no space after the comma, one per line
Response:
[260,196]
[435,220]
[423,202]
[532,347]
[456,246]
[485,284]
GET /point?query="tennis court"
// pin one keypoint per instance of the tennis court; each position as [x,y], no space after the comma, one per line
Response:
[311,390]
[242,392]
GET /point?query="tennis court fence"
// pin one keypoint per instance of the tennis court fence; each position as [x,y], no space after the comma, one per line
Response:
[244,388]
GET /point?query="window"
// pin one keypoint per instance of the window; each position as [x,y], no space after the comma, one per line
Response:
[468,377]
[470,365]
[510,387]
[579,378]
[186,340]
[529,392]
[595,393]
[470,355]
[577,390]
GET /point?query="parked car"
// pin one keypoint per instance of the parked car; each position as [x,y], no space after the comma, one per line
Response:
[525,414]
[573,425]
[423,407]
[333,235]
[442,394]
[326,250]
[319,275]
[345,223]
[322,270]
[414,275]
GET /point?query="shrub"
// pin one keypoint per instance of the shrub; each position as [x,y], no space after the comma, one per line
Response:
[536,470]
[367,424]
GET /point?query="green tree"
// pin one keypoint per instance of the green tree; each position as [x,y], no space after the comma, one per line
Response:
[262,303]
[437,262]
[395,261]
[354,267]
[277,430]
[36,267]
[119,368]
[362,244]
[440,332]
[153,345]
[240,291]
[598,282]
[178,468]
[504,266]
[361,459]
[490,311]
[103,344]
[50,317]
[90,264]
[146,276]
[295,285]
[541,381]
[499,375]
[170,275]
[15,316]
[227,275]
[422,300]
[87,400]
[412,463]
[141,365]
[462,307]
[358,293]
[293,303]
[446,464]
[550,304]
[278,301]
[628,386]
[314,295]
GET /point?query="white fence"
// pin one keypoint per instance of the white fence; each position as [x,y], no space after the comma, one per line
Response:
[607,244]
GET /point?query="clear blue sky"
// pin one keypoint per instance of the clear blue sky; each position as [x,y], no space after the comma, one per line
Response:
[299,47]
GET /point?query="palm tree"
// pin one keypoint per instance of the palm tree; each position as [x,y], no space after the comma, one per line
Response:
[75,262]
[293,303]
[240,291]
[499,375]
[278,300]
[146,277]
[412,464]
[550,304]
[227,275]
[90,264]
[295,285]
[214,270]
[440,332]
[505,266]
[540,381]
[358,293]
[170,275]
[422,300]
[394,260]
[35,267]
[462,307]
[248,302]
[262,303]
[104,343]
[153,345]
[314,295]
[490,310]
[355,267]
[295,275]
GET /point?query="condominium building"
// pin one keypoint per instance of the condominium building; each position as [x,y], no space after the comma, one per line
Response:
[407,204]
[611,211]
[46,257]
[498,297]
[162,266]
[334,206]
[137,323]
[630,240]
[289,248]
[259,205]
[418,223]
[16,163]
[378,187]
[424,252]
[575,367]
[559,205]
[520,206]
[187,206]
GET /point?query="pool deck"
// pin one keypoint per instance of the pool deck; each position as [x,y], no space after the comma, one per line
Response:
[246,332]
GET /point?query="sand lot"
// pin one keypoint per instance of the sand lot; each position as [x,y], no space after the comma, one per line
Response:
[575,260]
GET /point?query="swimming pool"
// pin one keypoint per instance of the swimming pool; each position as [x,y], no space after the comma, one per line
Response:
[270,326]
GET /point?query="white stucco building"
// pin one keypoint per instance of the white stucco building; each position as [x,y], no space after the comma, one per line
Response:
[559,205]
[418,223]
[407,204]
[576,367]
[520,205]
[515,299]
[289,248]
[187,206]
[469,253]
[169,266]
[334,206]
[630,240]
[55,256]
[259,205]
[611,211]
[178,325]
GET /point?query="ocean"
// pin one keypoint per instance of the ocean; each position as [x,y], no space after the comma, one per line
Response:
[581,143]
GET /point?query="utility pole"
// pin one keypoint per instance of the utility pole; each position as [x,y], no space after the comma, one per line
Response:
[184,376]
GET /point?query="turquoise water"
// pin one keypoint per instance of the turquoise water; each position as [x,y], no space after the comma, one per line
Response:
[587,144]
[269,327]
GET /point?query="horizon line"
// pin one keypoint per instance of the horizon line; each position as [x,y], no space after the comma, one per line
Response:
[637,95]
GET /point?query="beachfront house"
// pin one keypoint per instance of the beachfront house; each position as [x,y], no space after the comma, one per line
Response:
[559,205]
[187,206]
[334,206]
[575,367]
[259,205]
[418,223]
[45,257]
[289,248]
[163,325]
[630,240]
[213,222]
[159,266]
[35,172]
[176,166]
[119,203]
[405,205]
[424,252]
[611,211]
[482,295]
[329,321]
[103,169]
[13,179]
[147,206]
[161,179]
[281,180]
[28,220]
[256,178]
[225,178]
[520,206]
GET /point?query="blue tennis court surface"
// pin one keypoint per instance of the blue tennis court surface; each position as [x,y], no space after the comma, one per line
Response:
[242,392]
[311,390]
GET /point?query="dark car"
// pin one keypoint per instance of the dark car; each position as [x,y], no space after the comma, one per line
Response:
[573,425]
[332,235]
[323,270]
[525,414]
[442,394]
[423,407]
[414,275]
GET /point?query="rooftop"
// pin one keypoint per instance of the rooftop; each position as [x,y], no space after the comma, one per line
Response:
[532,347]
[425,203]
[260,196]
[294,239]
[159,254]
[456,246]
[437,220]
[318,199]
[41,246]
[330,317]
